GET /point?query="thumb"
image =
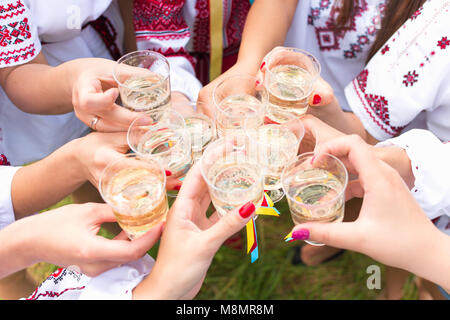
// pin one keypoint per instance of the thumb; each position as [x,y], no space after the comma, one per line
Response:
[340,235]
[230,224]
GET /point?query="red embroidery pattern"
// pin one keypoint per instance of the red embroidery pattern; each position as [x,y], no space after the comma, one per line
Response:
[159,19]
[12,10]
[378,105]
[4,161]
[385,49]
[443,43]
[16,55]
[235,25]
[201,26]
[169,52]
[410,78]
[14,32]
[52,294]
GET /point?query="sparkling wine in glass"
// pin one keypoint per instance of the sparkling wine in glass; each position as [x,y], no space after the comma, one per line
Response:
[238,102]
[315,191]
[143,79]
[233,176]
[289,80]
[136,190]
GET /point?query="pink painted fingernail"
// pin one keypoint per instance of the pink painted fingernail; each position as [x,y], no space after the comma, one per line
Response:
[301,234]
[177,187]
[246,210]
[312,159]
[168,173]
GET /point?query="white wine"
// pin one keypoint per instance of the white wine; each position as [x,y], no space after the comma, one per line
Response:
[145,93]
[277,145]
[170,147]
[317,189]
[289,87]
[202,133]
[234,185]
[238,111]
[141,196]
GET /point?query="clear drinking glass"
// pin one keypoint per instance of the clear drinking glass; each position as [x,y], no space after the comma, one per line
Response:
[289,80]
[315,191]
[277,145]
[136,191]
[232,173]
[165,140]
[200,127]
[144,80]
[237,100]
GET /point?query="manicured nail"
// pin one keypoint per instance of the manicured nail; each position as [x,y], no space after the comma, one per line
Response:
[312,159]
[317,99]
[257,83]
[168,173]
[177,187]
[246,210]
[262,65]
[301,234]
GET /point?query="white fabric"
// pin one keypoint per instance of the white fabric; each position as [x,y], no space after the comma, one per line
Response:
[429,162]
[341,58]
[28,137]
[6,207]
[408,77]
[114,284]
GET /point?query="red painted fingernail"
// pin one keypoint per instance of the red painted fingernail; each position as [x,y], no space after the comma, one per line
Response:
[262,65]
[302,234]
[177,187]
[317,99]
[312,159]
[246,210]
[168,173]
[257,83]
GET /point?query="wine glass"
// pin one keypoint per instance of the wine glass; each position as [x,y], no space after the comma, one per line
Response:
[315,189]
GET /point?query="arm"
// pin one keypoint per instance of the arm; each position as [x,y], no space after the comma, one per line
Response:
[126,11]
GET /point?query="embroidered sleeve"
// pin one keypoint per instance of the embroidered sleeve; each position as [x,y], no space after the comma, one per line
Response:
[429,162]
[19,42]
[115,284]
[406,75]
[161,27]
[6,207]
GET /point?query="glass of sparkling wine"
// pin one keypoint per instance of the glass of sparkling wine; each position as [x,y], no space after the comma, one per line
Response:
[315,191]
[136,190]
[277,145]
[143,79]
[232,173]
[200,127]
[237,100]
[290,77]
[166,141]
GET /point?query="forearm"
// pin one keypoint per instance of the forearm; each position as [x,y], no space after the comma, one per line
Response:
[15,252]
[267,24]
[49,89]
[44,183]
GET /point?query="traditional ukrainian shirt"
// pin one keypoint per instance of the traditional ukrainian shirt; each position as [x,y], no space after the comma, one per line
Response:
[342,54]
[429,162]
[407,82]
[180,30]
[67,30]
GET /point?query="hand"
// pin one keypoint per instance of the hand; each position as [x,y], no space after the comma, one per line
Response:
[94,94]
[391,227]
[317,132]
[189,242]
[68,236]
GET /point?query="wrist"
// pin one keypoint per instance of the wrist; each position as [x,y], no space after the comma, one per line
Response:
[153,287]
[398,159]
[78,168]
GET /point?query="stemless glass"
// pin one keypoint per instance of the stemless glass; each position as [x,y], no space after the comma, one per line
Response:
[277,145]
[136,191]
[289,80]
[200,127]
[236,100]
[165,140]
[315,191]
[232,173]
[143,79]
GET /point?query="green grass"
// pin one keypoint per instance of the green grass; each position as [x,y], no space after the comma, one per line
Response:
[272,276]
